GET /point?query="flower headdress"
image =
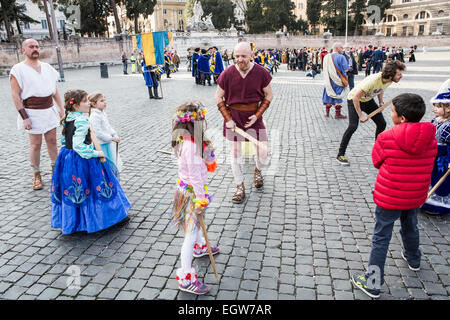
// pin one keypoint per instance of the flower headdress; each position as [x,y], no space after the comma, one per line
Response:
[191,116]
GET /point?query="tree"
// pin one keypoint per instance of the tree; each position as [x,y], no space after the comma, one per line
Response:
[113,7]
[43,4]
[270,15]
[313,10]
[298,25]
[138,7]
[358,7]
[222,12]
[278,13]
[333,15]
[6,8]
[19,15]
[11,12]
[94,14]
[254,17]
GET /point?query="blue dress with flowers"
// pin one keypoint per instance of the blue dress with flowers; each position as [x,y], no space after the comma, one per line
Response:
[439,202]
[85,194]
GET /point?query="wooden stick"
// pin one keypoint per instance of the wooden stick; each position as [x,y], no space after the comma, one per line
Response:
[438,184]
[96,144]
[166,152]
[250,138]
[205,235]
[384,106]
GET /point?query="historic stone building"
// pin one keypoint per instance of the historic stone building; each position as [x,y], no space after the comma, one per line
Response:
[167,15]
[415,18]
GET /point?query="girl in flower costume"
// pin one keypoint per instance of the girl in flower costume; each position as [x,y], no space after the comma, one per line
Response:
[85,193]
[195,158]
[439,202]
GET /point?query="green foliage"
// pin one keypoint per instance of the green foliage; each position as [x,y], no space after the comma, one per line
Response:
[15,12]
[138,7]
[333,16]
[271,15]
[279,13]
[358,7]
[93,16]
[313,10]
[254,17]
[222,12]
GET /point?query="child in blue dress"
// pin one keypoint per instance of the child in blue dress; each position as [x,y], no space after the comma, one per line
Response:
[439,202]
[85,193]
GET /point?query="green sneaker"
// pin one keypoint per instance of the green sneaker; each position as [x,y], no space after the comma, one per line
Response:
[360,282]
[343,160]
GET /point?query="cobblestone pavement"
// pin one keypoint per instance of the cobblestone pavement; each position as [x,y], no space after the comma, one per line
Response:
[301,237]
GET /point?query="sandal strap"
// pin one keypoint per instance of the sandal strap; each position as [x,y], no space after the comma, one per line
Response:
[240,192]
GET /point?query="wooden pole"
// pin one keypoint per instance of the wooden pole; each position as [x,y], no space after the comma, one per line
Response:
[384,106]
[438,184]
[250,138]
[205,235]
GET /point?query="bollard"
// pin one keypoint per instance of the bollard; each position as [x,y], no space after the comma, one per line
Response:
[103,70]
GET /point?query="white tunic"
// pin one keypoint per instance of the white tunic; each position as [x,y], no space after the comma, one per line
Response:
[35,84]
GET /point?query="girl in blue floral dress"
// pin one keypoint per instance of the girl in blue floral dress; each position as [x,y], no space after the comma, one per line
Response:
[85,193]
[439,202]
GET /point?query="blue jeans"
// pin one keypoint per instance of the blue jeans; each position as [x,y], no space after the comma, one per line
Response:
[125,65]
[382,234]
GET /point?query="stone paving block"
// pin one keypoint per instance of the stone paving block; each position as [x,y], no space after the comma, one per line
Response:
[305,294]
[49,294]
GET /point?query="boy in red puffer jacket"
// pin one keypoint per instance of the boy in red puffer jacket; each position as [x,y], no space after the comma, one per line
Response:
[405,157]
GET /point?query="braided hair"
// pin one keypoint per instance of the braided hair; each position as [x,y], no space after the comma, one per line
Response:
[71,99]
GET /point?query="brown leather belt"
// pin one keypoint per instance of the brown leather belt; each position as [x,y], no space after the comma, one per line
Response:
[38,102]
[245,107]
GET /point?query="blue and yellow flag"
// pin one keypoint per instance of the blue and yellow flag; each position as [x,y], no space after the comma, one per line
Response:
[153,44]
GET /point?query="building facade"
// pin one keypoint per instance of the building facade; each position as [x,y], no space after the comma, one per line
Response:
[414,18]
[167,15]
[40,30]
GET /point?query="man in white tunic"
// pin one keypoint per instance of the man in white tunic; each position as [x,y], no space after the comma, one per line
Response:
[33,87]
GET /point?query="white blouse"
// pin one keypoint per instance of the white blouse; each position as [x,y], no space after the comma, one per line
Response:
[103,130]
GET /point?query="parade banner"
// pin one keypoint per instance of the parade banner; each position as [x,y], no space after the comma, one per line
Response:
[153,44]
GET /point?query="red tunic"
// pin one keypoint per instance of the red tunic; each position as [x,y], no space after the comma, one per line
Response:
[246,90]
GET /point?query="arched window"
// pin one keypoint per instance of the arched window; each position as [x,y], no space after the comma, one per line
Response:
[422,15]
[441,12]
[390,18]
[405,16]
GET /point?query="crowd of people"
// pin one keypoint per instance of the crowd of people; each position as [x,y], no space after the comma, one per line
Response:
[206,65]
[86,194]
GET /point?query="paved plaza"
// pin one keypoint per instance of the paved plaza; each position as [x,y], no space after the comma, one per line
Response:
[300,237]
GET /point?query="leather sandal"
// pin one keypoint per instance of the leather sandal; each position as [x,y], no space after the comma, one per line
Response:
[239,195]
[258,179]
[37,182]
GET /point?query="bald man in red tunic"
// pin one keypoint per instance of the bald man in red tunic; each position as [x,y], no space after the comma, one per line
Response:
[243,94]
